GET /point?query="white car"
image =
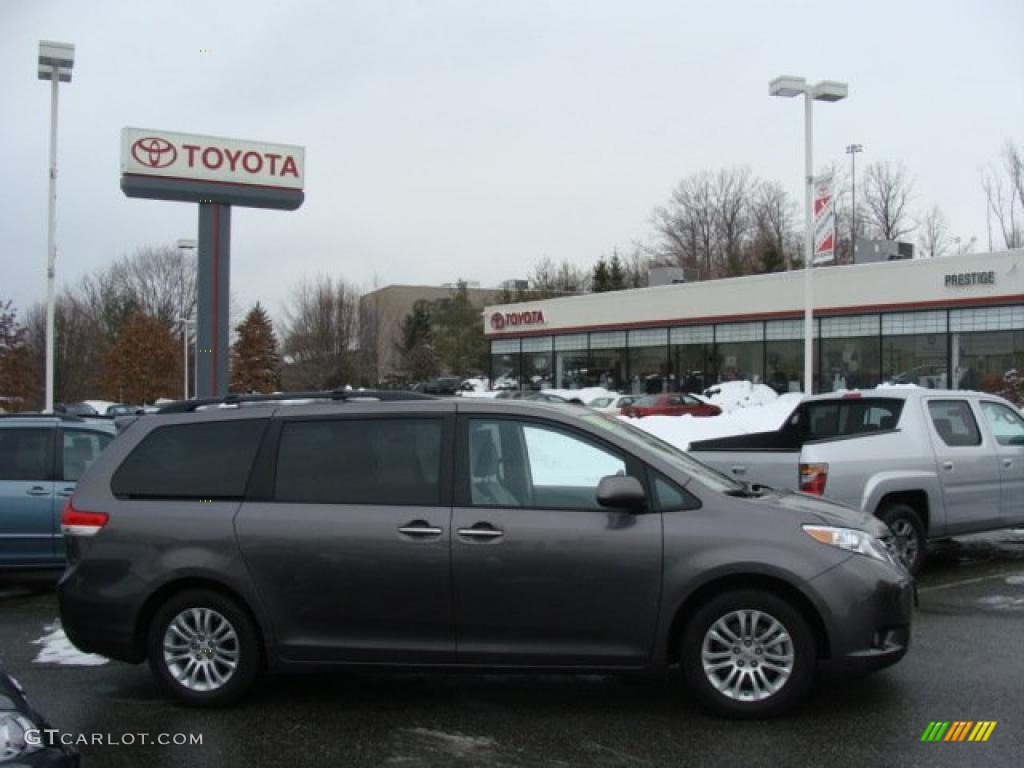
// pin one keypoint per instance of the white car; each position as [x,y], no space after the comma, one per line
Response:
[613,405]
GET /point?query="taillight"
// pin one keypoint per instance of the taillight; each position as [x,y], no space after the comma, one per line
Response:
[75,522]
[813,478]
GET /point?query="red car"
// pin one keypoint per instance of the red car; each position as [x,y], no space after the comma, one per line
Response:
[677,404]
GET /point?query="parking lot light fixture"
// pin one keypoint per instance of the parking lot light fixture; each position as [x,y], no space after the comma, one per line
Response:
[55,63]
[789,86]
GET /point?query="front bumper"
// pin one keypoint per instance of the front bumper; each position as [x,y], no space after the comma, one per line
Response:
[871,605]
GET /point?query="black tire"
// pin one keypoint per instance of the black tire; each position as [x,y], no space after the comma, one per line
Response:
[908,534]
[789,691]
[246,647]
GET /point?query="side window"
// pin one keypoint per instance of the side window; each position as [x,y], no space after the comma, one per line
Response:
[26,454]
[360,461]
[671,498]
[1007,426]
[823,421]
[80,450]
[954,422]
[513,464]
[207,460]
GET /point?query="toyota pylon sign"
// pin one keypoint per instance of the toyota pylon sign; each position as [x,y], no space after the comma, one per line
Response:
[147,152]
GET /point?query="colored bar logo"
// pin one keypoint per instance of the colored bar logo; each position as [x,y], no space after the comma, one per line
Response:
[958,730]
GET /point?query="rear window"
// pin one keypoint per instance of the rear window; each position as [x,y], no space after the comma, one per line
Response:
[842,418]
[209,460]
[360,461]
[954,422]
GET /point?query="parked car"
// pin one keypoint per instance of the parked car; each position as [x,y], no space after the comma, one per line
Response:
[123,409]
[503,535]
[41,459]
[24,741]
[677,404]
[930,463]
[443,385]
[613,405]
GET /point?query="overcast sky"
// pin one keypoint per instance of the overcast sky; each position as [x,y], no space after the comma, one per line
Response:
[469,138]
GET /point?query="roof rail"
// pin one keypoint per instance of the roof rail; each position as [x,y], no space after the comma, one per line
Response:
[188,406]
[37,415]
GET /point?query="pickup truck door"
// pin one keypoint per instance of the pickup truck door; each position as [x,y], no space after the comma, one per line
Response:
[1007,428]
[966,464]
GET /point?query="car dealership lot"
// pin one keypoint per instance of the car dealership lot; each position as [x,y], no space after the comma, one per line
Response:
[965,663]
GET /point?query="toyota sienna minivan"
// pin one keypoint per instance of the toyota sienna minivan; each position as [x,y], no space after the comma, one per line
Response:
[219,539]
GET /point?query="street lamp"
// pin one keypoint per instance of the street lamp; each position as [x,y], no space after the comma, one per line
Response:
[852,150]
[55,63]
[186,244]
[826,90]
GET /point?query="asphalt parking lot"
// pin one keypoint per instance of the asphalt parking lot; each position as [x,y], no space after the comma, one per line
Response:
[966,663]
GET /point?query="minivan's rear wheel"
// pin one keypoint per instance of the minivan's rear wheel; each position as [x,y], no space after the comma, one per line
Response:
[748,654]
[907,532]
[203,648]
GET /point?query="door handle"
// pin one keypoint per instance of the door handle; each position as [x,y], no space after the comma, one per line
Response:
[739,470]
[420,529]
[947,465]
[65,492]
[1007,463]
[481,531]
[37,491]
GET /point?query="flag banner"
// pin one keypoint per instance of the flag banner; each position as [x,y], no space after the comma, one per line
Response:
[824,222]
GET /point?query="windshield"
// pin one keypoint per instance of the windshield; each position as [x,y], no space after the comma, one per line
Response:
[704,474]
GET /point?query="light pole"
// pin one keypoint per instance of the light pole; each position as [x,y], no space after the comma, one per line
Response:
[826,90]
[55,63]
[852,150]
[186,244]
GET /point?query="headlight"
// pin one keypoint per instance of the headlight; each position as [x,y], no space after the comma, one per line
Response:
[850,539]
[13,727]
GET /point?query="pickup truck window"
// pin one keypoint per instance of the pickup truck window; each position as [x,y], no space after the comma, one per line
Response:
[1007,426]
[841,418]
[954,422]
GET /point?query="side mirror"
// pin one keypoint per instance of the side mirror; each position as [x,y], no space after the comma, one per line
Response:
[621,492]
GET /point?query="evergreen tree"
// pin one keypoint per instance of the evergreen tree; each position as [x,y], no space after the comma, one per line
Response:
[459,334]
[144,363]
[255,364]
[616,273]
[416,343]
[601,281]
[18,383]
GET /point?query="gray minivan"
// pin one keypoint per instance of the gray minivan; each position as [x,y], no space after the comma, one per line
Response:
[398,530]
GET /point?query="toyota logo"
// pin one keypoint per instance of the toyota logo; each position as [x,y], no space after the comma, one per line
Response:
[154,152]
[497,321]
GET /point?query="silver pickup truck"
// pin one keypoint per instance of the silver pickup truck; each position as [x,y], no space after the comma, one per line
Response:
[930,463]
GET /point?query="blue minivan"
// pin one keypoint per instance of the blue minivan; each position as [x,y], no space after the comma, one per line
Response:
[41,458]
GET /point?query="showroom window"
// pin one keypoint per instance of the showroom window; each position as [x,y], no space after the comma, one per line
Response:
[985,343]
[915,349]
[649,371]
[607,366]
[537,363]
[505,364]
[570,361]
[691,349]
[784,355]
[851,352]
[739,352]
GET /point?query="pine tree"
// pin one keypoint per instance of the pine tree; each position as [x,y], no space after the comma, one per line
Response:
[601,281]
[18,384]
[144,362]
[459,334]
[255,364]
[416,343]
[616,273]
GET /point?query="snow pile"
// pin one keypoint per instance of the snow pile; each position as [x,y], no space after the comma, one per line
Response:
[479,394]
[730,395]
[476,384]
[57,649]
[584,395]
[738,419]
[889,385]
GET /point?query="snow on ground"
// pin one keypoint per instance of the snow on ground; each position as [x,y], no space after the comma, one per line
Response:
[57,649]
[740,418]
[479,394]
[477,384]
[730,395]
[584,395]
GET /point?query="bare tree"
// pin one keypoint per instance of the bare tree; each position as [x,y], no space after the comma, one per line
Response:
[549,279]
[1004,194]
[772,212]
[320,335]
[686,227]
[887,194]
[732,191]
[933,238]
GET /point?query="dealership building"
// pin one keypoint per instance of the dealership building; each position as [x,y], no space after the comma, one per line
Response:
[951,322]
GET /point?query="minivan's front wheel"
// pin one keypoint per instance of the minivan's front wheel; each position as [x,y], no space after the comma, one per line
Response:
[748,654]
[203,648]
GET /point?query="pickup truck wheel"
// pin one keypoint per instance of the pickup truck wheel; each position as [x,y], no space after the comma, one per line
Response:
[203,648]
[748,654]
[908,534]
